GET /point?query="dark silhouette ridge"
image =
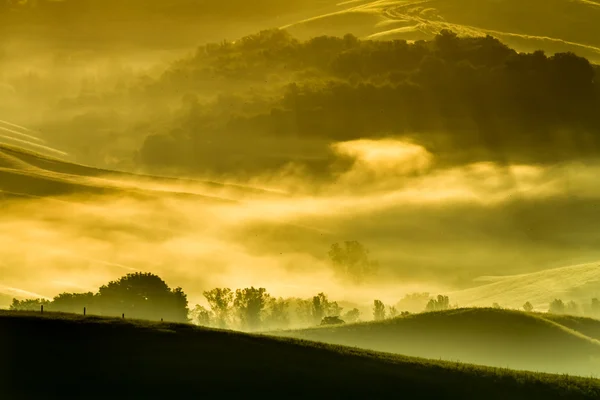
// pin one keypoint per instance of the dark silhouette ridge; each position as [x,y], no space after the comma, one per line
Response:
[95,358]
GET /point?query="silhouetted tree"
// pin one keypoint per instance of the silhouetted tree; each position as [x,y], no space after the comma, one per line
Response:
[528,307]
[334,309]
[144,296]
[352,260]
[557,307]
[496,306]
[320,304]
[392,312]
[278,315]
[572,308]
[439,304]
[415,302]
[28,304]
[220,301]
[201,316]
[250,304]
[378,310]
[304,311]
[75,302]
[352,316]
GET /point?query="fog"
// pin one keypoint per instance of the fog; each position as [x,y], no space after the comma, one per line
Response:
[310,143]
[431,229]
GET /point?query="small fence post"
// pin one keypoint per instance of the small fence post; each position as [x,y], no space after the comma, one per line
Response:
[84,311]
[123,316]
[42,308]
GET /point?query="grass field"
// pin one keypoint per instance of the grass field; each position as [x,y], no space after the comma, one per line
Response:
[483,336]
[575,282]
[61,356]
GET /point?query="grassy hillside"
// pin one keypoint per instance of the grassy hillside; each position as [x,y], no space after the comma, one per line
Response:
[110,25]
[483,336]
[577,282]
[96,358]
[587,326]
[556,26]
[24,173]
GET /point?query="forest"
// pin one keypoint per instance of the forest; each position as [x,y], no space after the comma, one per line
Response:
[465,99]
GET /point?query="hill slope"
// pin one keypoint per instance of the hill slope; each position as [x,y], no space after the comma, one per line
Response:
[555,26]
[24,173]
[94,358]
[587,326]
[482,336]
[577,282]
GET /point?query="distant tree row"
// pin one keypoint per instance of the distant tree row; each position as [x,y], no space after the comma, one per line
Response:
[592,309]
[253,309]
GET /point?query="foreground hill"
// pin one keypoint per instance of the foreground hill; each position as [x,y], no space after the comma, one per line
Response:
[555,26]
[576,282]
[99,358]
[482,336]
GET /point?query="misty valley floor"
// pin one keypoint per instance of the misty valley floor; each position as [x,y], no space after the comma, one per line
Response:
[65,356]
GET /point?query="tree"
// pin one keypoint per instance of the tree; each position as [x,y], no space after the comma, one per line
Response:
[352,260]
[572,308]
[378,310]
[220,301]
[439,304]
[201,315]
[496,306]
[352,316]
[414,302]
[29,304]
[250,304]
[74,303]
[144,296]
[333,309]
[528,307]
[557,307]
[278,316]
[392,312]
[319,306]
[304,311]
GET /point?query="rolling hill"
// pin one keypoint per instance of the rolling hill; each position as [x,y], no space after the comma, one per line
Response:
[25,173]
[588,326]
[491,337]
[580,283]
[555,26]
[60,356]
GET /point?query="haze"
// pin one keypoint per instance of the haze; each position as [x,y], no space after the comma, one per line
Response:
[436,209]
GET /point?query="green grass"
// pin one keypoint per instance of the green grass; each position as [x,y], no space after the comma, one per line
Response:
[491,337]
[67,356]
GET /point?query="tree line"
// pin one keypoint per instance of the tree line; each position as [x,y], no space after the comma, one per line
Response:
[147,296]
